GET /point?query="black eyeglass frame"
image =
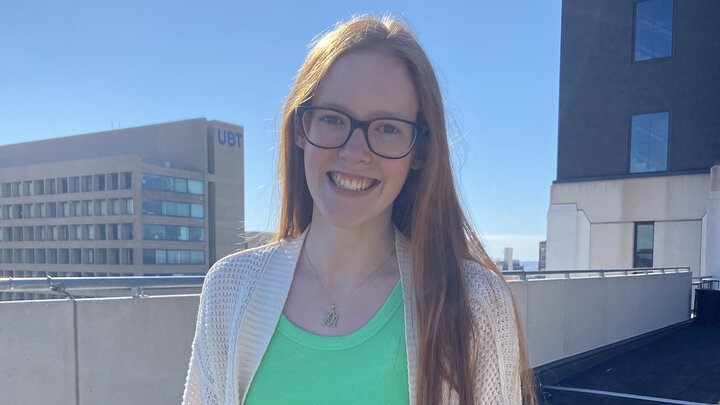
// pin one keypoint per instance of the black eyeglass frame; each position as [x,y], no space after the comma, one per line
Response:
[420,129]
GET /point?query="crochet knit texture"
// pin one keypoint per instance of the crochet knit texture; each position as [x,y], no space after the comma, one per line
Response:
[243,297]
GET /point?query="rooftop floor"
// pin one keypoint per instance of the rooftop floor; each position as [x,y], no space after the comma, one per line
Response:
[680,367]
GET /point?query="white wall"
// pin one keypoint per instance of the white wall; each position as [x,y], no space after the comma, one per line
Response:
[677,205]
[564,317]
[137,351]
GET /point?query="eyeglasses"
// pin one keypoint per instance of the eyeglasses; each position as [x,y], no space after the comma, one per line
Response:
[328,128]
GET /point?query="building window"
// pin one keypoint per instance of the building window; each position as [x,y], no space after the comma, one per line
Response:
[112,179]
[644,242]
[173,232]
[77,208]
[65,208]
[89,207]
[172,256]
[172,209]
[174,184]
[87,183]
[653,29]
[649,142]
[129,206]
[115,207]
[7,190]
[128,231]
[39,187]
[75,184]
[41,256]
[62,185]
[128,256]
[103,207]
[127,180]
[99,182]
[50,186]
[101,231]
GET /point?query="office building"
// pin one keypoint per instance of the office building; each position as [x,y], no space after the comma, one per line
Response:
[152,200]
[638,168]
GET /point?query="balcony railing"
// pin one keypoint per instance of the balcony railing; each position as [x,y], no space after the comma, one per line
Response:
[137,286]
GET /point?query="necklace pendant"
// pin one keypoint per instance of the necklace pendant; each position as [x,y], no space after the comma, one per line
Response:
[330,318]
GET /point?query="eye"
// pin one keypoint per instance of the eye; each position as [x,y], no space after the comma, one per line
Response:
[331,119]
[387,128]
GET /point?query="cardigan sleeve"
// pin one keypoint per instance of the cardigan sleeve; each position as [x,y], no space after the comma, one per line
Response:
[496,344]
[198,386]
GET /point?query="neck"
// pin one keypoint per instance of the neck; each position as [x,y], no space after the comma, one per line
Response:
[345,257]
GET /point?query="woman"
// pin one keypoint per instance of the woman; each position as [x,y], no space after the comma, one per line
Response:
[377,289]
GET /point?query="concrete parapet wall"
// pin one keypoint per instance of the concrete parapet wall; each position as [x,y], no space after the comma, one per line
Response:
[564,317]
[127,352]
[136,351]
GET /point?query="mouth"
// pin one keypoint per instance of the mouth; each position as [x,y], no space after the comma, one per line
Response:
[352,183]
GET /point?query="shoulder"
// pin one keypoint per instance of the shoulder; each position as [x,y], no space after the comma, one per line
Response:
[236,275]
[484,285]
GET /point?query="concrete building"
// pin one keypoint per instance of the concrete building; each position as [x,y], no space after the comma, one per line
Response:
[153,200]
[638,172]
[542,257]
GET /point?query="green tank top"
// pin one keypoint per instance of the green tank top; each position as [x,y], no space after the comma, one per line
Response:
[368,366]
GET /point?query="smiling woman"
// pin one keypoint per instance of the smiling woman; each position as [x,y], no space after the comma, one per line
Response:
[377,290]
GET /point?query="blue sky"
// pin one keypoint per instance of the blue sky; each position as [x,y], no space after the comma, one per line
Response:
[76,67]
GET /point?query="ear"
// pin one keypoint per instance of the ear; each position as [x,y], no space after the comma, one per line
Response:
[417,162]
[299,137]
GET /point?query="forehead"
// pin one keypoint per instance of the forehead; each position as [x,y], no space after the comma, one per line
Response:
[367,83]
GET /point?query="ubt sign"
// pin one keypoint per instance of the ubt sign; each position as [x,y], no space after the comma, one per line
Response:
[229,138]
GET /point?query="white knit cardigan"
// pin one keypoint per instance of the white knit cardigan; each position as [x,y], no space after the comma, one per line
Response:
[243,297]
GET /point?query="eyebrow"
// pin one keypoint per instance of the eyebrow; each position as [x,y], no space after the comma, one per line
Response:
[374,115]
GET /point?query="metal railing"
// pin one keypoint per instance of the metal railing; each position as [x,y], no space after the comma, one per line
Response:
[594,273]
[137,285]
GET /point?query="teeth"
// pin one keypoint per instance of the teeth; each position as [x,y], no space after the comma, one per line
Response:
[350,184]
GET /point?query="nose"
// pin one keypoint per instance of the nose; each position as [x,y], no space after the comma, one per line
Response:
[356,147]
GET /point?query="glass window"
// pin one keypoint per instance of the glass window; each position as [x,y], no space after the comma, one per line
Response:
[53,232]
[89,256]
[28,188]
[30,232]
[17,189]
[181,185]
[100,182]
[127,184]
[102,256]
[75,184]
[112,181]
[653,29]
[89,207]
[39,187]
[115,231]
[62,185]
[87,183]
[40,233]
[197,210]
[116,207]
[50,186]
[103,207]
[644,242]
[42,211]
[129,259]
[101,231]
[77,232]
[64,232]
[172,208]
[30,255]
[172,256]
[195,187]
[41,258]
[64,256]
[28,211]
[129,206]
[77,208]
[7,190]
[51,210]
[65,208]
[90,231]
[649,142]
[128,231]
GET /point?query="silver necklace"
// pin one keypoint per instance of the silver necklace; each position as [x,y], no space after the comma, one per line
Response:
[330,318]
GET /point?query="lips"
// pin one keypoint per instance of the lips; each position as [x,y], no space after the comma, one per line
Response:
[351,182]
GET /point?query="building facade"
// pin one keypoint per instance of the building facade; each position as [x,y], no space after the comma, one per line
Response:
[638,172]
[154,200]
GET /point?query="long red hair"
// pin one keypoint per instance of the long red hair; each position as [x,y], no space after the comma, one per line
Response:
[427,209]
